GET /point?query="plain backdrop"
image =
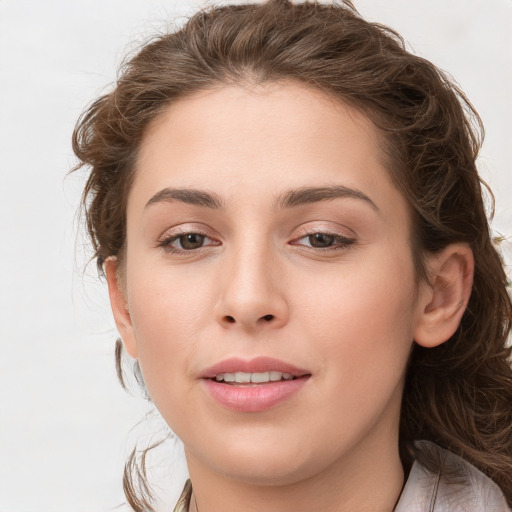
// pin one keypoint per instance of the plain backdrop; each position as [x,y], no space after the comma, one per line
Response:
[65,423]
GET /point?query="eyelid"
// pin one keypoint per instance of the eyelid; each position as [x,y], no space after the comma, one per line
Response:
[311,229]
[172,234]
[343,241]
[184,229]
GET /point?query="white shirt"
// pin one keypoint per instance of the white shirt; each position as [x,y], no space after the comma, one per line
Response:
[456,487]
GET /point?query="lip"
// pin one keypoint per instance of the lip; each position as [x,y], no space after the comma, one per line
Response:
[256,365]
[253,397]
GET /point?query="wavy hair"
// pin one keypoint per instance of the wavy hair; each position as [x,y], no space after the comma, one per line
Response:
[459,394]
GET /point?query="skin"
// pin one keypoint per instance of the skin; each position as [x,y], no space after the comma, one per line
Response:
[348,312]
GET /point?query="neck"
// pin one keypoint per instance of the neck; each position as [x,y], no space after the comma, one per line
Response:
[362,482]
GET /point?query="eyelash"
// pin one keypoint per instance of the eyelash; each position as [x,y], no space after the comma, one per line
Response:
[165,244]
[340,242]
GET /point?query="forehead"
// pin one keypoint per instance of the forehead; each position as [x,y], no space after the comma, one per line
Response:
[251,140]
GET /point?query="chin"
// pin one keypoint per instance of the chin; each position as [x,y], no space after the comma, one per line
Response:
[267,473]
[265,462]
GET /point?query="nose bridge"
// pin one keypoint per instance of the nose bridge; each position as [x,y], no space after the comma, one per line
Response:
[252,294]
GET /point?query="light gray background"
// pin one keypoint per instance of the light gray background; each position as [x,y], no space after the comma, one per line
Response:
[65,423]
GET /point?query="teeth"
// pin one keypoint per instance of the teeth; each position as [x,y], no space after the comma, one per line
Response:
[275,376]
[260,377]
[256,378]
[242,377]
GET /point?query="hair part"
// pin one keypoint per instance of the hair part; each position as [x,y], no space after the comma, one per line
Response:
[458,394]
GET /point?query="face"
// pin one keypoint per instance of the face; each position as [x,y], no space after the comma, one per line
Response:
[265,238]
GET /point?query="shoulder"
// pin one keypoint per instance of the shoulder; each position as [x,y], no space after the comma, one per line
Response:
[456,487]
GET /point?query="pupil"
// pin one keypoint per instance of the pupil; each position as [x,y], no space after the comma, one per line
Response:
[321,240]
[191,241]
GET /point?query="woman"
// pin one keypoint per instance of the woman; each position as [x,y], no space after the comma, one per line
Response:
[286,207]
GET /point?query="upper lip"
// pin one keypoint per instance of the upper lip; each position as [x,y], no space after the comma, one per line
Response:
[256,365]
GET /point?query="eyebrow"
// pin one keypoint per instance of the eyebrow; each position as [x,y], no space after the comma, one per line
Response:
[290,199]
[309,195]
[188,196]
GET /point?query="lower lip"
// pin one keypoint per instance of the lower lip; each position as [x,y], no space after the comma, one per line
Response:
[256,397]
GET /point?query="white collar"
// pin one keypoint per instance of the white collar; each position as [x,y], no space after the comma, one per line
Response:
[456,487]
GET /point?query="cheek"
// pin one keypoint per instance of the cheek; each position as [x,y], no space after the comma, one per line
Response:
[168,317]
[363,325]
[167,304]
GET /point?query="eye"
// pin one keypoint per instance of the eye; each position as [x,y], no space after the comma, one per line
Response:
[324,241]
[321,240]
[186,242]
[190,241]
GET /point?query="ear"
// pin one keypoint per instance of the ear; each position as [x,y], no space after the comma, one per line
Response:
[444,299]
[120,307]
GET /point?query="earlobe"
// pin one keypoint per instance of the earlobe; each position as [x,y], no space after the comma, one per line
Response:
[444,299]
[119,306]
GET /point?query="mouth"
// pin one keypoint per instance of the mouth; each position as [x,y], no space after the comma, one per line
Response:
[253,386]
[243,378]
[257,370]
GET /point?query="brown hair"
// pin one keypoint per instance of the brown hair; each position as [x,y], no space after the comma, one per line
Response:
[459,394]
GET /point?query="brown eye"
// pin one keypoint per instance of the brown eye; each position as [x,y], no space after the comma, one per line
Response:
[187,243]
[321,240]
[191,241]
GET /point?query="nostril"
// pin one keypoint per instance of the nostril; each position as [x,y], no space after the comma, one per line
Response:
[231,320]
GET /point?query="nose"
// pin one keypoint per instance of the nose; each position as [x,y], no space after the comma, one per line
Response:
[252,295]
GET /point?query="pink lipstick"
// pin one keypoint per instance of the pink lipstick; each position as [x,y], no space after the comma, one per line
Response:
[255,385]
